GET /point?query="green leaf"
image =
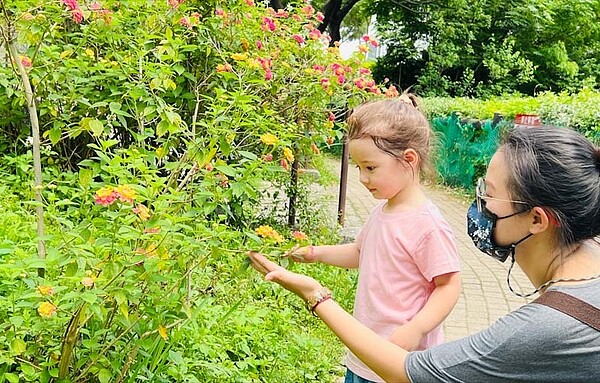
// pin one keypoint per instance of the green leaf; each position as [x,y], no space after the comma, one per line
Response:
[104,376]
[85,177]
[12,378]
[96,126]
[54,134]
[18,346]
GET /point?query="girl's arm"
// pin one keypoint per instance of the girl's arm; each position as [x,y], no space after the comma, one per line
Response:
[438,306]
[345,256]
[384,357]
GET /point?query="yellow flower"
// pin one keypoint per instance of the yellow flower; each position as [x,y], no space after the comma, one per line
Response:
[126,193]
[66,54]
[266,231]
[162,331]
[90,53]
[269,139]
[239,56]
[46,309]
[45,290]
[287,152]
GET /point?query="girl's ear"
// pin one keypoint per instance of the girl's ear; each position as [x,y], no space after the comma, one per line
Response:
[411,156]
[541,220]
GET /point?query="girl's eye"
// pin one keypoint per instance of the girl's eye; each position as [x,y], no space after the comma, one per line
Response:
[370,168]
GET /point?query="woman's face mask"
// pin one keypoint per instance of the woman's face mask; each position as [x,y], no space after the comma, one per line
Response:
[481,223]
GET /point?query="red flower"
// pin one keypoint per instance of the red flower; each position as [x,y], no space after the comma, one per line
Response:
[298,38]
[284,164]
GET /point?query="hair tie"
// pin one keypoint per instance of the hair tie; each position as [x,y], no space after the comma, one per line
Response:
[410,99]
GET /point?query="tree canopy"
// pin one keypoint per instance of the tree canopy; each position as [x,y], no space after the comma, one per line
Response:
[484,47]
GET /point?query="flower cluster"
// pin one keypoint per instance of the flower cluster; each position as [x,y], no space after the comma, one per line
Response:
[46,309]
[107,195]
[299,236]
[266,231]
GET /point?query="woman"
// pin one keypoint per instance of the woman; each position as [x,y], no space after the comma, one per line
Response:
[540,206]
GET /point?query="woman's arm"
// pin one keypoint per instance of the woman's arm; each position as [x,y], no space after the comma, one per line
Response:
[381,355]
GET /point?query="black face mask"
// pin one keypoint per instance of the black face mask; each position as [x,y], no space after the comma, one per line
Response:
[480,227]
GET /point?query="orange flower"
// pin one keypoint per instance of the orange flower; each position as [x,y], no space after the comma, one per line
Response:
[87,281]
[45,290]
[46,309]
[299,236]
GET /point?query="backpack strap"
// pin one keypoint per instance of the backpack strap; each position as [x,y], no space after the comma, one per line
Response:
[574,307]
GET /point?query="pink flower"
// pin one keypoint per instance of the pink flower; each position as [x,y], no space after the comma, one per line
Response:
[364,71]
[95,6]
[87,281]
[337,69]
[308,10]
[26,61]
[281,13]
[175,3]
[219,12]
[259,45]
[185,22]
[268,75]
[250,3]
[315,34]
[268,24]
[341,79]
[297,17]
[325,82]
[319,68]
[71,4]
[298,38]
[77,15]
[106,196]
[319,16]
[268,157]
[331,116]
[265,63]
[360,83]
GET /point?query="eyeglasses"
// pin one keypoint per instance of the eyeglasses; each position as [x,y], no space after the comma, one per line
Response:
[482,197]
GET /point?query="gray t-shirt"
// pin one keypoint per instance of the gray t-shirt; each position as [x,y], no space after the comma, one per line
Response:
[532,344]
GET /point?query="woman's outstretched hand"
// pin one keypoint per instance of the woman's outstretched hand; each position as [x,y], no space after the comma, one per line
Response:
[299,284]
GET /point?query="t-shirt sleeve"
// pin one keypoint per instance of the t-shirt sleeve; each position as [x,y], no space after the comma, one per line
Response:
[534,344]
[436,254]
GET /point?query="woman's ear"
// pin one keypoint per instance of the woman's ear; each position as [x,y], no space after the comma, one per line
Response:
[541,220]
[411,157]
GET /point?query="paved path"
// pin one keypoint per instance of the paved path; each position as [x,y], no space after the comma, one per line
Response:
[485,296]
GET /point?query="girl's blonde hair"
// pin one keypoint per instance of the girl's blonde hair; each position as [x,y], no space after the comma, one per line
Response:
[395,125]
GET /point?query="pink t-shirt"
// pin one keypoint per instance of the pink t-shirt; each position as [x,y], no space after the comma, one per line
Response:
[400,254]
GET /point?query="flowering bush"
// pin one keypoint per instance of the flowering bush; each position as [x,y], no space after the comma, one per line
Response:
[168,125]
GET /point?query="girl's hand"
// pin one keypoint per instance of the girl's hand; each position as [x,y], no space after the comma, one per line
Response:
[299,284]
[304,254]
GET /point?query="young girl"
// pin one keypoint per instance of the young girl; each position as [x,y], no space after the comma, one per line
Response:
[539,206]
[408,265]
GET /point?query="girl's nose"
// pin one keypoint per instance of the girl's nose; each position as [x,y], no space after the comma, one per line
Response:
[363,178]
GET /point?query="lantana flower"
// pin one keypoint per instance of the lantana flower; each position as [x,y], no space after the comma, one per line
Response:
[287,153]
[106,196]
[45,290]
[125,193]
[269,139]
[142,212]
[299,236]
[46,309]
[266,231]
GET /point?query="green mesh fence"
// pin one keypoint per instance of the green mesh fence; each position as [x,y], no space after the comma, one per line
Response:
[465,148]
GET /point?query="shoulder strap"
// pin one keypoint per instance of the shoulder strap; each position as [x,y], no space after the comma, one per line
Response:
[575,307]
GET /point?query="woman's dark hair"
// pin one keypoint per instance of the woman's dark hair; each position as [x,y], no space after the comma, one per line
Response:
[557,169]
